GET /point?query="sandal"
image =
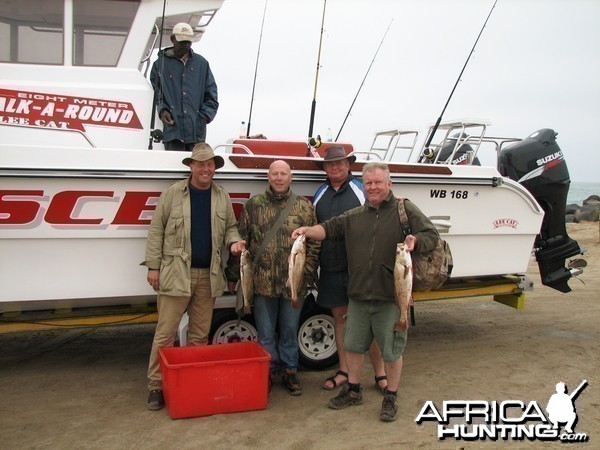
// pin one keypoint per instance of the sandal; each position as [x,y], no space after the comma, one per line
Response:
[335,383]
[379,380]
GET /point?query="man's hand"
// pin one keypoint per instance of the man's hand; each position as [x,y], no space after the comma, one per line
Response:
[298,231]
[166,118]
[237,248]
[153,277]
[410,242]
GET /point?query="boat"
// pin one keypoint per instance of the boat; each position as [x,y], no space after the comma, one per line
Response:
[80,182]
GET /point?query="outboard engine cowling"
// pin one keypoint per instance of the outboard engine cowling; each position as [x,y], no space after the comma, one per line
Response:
[538,164]
[463,155]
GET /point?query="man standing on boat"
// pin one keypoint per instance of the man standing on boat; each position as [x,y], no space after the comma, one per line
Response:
[192,223]
[340,193]
[371,233]
[266,224]
[185,91]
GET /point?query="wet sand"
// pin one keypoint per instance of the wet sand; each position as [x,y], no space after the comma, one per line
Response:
[85,388]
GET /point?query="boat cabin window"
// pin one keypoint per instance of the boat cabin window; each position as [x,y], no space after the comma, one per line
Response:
[33,31]
[100,29]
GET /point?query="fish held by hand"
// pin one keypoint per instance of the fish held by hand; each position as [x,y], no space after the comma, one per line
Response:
[403,278]
[296,262]
[246,280]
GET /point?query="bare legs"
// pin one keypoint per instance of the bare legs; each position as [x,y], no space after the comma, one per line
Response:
[339,318]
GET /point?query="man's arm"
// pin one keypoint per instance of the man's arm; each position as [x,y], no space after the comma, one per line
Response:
[210,103]
[424,231]
[163,109]
[316,232]
[154,241]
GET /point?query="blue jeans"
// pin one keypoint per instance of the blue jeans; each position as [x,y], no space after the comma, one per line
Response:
[268,311]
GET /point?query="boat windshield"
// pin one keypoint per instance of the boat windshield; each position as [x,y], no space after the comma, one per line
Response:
[33,31]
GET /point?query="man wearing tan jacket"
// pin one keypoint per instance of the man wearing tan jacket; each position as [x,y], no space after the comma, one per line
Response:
[192,223]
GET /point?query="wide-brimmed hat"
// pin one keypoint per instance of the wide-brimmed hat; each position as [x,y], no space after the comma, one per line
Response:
[203,152]
[334,153]
[184,32]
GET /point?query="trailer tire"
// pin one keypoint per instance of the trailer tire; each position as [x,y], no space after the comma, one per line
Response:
[225,328]
[316,337]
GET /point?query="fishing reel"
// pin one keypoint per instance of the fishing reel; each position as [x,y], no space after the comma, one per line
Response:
[428,155]
[313,143]
[156,135]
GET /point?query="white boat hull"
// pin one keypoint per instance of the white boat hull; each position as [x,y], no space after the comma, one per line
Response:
[84,219]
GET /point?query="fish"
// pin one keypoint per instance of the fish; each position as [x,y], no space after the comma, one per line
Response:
[246,280]
[403,280]
[296,262]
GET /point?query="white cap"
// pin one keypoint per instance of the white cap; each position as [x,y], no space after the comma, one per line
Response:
[183,32]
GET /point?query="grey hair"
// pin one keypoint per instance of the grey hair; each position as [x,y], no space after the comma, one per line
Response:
[376,165]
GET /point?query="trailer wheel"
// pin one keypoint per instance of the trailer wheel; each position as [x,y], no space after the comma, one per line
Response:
[225,328]
[316,338]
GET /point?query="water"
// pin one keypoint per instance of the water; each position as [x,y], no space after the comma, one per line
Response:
[578,192]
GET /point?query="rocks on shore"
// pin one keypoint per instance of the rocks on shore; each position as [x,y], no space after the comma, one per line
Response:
[588,212]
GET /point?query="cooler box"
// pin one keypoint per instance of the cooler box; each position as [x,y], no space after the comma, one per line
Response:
[214,379]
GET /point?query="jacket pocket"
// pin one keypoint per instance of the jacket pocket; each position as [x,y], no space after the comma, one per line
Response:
[174,278]
[174,233]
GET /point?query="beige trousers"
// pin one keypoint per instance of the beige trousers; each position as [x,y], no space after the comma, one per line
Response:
[199,307]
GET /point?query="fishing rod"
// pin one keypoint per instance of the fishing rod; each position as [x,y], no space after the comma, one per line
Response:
[427,152]
[314,101]
[256,68]
[156,135]
[363,81]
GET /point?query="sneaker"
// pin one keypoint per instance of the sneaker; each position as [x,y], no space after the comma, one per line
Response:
[291,383]
[346,397]
[156,401]
[389,408]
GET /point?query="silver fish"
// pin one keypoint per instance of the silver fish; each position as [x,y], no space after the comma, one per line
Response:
[403,279]
[246,280]
[296,262]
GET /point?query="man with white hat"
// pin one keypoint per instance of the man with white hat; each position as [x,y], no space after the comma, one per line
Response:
[192,223]
[185,91]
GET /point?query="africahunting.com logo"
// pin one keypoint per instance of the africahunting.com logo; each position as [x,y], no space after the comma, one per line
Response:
[507,420]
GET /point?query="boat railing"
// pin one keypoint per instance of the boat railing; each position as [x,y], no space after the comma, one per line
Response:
[387,142]
[230,147]
[455,134]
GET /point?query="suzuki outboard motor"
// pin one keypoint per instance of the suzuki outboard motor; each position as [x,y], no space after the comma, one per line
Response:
[538,164]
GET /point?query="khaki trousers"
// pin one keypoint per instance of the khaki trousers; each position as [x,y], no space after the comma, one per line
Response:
[199,307]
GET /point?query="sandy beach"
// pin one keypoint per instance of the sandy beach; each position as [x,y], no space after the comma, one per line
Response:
[85,388]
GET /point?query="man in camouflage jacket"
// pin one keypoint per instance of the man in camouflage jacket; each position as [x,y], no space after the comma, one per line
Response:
[272,305]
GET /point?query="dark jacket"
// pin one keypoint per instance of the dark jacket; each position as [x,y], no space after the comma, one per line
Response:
[371,236]
[188,92]
[330,203]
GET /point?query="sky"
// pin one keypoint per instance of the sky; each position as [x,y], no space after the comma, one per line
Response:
[536,65]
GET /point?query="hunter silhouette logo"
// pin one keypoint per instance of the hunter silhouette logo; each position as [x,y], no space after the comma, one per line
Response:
[507,420]
[561,408]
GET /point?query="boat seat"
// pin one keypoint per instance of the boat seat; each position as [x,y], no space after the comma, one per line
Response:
[282,148]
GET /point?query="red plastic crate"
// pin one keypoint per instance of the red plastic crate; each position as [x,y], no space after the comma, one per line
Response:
[214,379]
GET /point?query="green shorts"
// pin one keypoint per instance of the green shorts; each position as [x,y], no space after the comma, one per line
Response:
[374,319]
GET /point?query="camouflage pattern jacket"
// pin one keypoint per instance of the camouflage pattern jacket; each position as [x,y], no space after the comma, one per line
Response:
[271,270]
